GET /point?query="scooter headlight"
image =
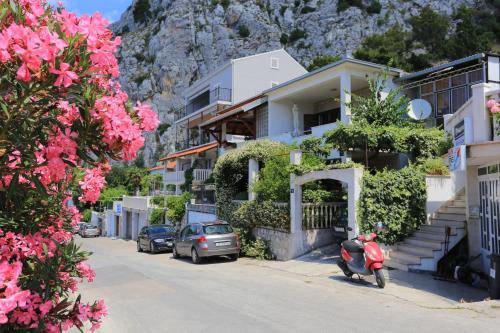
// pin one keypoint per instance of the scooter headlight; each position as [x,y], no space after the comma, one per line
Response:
[368,237]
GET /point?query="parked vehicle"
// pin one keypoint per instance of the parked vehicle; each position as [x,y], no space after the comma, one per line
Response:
[208,239]
[156,238]
[76,228]
[89,230]
[362,256]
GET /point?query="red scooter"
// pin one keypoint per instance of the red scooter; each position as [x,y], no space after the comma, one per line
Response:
[362,256]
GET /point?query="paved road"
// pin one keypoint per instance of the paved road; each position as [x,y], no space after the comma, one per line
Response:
[155,293]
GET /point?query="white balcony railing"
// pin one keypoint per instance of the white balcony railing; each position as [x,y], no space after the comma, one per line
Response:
[174,177]
[201,174]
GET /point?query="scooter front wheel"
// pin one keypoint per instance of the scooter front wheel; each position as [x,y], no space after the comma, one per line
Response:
[379,277]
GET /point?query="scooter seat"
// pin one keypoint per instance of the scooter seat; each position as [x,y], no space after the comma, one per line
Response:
[352,246]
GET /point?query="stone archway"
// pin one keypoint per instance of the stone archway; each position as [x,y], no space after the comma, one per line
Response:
[351,177]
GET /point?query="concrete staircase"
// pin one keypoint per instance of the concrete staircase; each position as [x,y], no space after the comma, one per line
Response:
[422,250]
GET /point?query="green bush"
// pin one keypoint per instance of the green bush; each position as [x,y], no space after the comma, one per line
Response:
[296,34]
[321,61]
[430,29]
[395,198]
[243,31]
[176,207]
[160,201]
[316,195]
[141,11]
[307,9]
[87,215]
[434,167]
[231,172]
[374,8]
[252,247]
[157,216]
[346,4]
[284,39]
[253,214]
[110,194]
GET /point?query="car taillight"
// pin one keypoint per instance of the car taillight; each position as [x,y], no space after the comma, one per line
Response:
[201,239]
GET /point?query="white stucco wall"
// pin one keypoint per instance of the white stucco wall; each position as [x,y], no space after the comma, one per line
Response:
[253,74]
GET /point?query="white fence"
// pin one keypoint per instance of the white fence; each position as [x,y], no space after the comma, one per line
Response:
[323,216]
[201,174]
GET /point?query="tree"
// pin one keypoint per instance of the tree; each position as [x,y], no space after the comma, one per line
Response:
[321,61]
[431,28]
[392,47]
[377,109]
[62,111]
[176,207]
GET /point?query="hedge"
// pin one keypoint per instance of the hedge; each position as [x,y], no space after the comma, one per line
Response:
[395,198]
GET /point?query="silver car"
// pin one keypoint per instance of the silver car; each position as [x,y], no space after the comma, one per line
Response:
[89,230]
[207,239]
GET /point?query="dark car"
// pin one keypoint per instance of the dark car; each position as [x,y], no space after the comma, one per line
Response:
[156,238]
[207,239]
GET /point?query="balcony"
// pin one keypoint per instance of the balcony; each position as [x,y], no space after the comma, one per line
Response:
[174,177]
[200,175]
[203,100]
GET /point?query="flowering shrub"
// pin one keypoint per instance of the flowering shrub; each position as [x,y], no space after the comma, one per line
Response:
[61,112]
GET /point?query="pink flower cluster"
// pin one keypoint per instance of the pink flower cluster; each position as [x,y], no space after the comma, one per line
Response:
[493,106]
[39,50]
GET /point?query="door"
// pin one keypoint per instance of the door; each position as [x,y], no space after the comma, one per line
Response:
[181,241]
[142,238]
[489,209]
[117,226]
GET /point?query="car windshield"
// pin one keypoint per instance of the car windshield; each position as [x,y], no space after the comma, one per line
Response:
[91,227]
[217,229]
[162,230]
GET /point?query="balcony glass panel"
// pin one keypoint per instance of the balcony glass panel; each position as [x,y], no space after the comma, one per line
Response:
[458,98]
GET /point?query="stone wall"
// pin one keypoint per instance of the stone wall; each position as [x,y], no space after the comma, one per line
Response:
[286,245]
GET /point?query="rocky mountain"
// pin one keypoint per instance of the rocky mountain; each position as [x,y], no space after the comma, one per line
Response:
[168,44]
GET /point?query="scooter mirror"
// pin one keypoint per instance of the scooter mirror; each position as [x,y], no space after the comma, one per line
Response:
[349,229]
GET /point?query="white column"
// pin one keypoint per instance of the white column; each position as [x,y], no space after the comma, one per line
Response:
[345,97]
[295,195]
[481,115]
[354,192]
[253,172]
[223,132]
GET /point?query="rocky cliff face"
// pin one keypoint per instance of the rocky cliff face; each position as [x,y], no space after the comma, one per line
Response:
[168,44]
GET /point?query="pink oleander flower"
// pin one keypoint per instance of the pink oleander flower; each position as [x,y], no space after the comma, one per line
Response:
[66,77]
[91,185]
[84,270]
[149,119]
[491,103]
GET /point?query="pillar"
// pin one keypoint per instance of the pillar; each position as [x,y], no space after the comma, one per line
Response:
[253,172]
[354,192]
[345,97]
[295,195]
[223,132]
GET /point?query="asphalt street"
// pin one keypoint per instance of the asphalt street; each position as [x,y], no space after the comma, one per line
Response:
[156,293]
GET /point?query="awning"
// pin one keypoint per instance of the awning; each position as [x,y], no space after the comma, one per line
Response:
[191,151]
[171,164]
[244,106]
[159,167]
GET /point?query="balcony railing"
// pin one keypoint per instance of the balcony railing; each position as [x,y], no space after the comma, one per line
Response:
[174,177]
[201,174]
[216,95]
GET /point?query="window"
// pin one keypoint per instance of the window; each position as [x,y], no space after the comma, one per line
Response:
[217,229]
[442,84]
[274,83]
[184,232]
[458,98]
[275,63]
[476,76]
[262,122]
[443,103]
[427,88]
[458,80]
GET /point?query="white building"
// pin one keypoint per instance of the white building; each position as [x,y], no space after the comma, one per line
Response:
[226,87]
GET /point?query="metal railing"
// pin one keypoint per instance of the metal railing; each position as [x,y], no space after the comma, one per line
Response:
[324,215]
[215,95]
[174,177]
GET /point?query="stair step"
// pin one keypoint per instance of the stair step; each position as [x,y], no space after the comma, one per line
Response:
[453,210]
[430,244]
[438,229]
[447,223]
[454,205]
[415,250]
[449,216]
[430,236]
[406,257]
[458,202]
[393,263]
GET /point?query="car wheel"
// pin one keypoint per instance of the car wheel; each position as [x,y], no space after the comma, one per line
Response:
[195,257]
[234,257]
[139,248]
[175,254]
[152,248]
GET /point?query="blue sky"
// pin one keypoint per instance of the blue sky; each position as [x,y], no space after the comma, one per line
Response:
[111,9]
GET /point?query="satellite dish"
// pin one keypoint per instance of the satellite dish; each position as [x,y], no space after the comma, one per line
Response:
[419,109]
